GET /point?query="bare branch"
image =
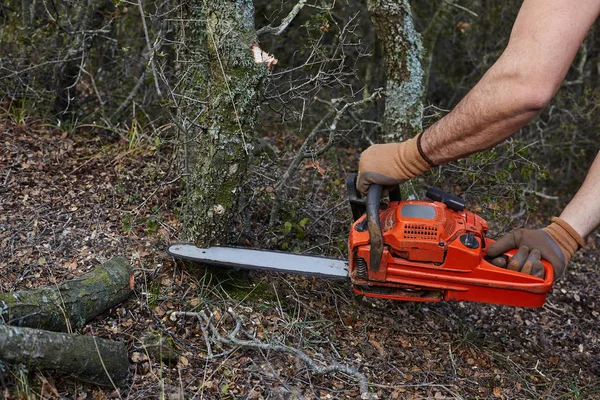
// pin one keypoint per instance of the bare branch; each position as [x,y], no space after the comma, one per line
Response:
[465,9]
[232,340]
[303,153]
[278,30]
[541,194]
[150,49]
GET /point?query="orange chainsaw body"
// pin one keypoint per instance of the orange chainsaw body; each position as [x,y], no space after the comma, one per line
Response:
[434,253]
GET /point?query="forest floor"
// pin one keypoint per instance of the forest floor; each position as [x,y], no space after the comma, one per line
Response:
[69,201]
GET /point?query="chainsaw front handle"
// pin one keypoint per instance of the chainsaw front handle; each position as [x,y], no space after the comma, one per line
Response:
[374,226]
[548,269]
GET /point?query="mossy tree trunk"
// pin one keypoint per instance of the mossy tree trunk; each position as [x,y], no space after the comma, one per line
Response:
[219,87]
[71,304]
[91,359]
[403,52]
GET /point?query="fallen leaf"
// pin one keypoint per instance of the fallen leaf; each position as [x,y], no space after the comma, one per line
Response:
[184,361]
[497,393]
[71,265]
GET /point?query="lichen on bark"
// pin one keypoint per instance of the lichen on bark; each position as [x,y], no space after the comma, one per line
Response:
[220,85]
[91,359]
[403,51]
[71,304]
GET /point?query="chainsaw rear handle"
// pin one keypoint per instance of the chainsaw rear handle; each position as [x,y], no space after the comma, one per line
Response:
[374,226]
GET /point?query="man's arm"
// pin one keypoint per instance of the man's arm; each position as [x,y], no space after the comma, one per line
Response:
[543,43]
[583,211]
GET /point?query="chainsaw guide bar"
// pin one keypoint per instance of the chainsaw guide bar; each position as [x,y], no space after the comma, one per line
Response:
[274,261]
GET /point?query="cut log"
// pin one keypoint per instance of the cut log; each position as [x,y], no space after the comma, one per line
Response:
[71,304]
[88,358]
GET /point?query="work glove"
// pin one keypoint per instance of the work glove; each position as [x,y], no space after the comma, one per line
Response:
[556,244]
[391,164]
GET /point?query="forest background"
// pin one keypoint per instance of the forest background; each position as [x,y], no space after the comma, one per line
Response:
[111,103]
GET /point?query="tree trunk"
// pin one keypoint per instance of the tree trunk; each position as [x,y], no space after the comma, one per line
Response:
[430,36]
[218,112]
[71,304]
[403,51]
[91,359]
[27,17]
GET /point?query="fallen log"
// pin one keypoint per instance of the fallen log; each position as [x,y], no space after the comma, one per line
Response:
[71,304]
[88,358]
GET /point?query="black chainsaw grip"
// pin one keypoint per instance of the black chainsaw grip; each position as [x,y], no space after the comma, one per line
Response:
[374,225]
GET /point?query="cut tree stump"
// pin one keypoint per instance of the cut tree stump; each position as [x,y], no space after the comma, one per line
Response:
[71,304]
[88,358]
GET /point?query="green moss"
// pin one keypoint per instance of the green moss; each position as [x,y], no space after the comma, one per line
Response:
[242,289]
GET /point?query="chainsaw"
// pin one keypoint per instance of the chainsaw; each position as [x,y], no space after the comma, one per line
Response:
[428,251]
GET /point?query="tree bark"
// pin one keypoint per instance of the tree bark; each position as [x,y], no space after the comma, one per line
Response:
[218,112]
[403,51]
[91,359]
[71,304]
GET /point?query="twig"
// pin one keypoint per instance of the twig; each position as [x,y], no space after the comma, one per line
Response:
[421,385]
[154,192]
[204,327]
[542,195]
[303,152]
[465,9]
[96,91]
[278,30]
[130,96]
[537,363]
[233,340]
[150,49]
[104,366]
[7,177]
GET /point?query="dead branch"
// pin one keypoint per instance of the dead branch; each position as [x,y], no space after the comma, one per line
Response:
[541,194]
[465,9]
[206,323]
[151,49]
[278,30]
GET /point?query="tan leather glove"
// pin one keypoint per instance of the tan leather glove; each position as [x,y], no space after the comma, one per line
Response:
[391,164]
[556,244]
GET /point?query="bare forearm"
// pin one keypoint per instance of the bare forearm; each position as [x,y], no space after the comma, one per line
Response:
[583,212]
[492,111]
[543,43]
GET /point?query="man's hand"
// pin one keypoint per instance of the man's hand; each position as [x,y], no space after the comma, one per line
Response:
[391,164]
[556,244]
